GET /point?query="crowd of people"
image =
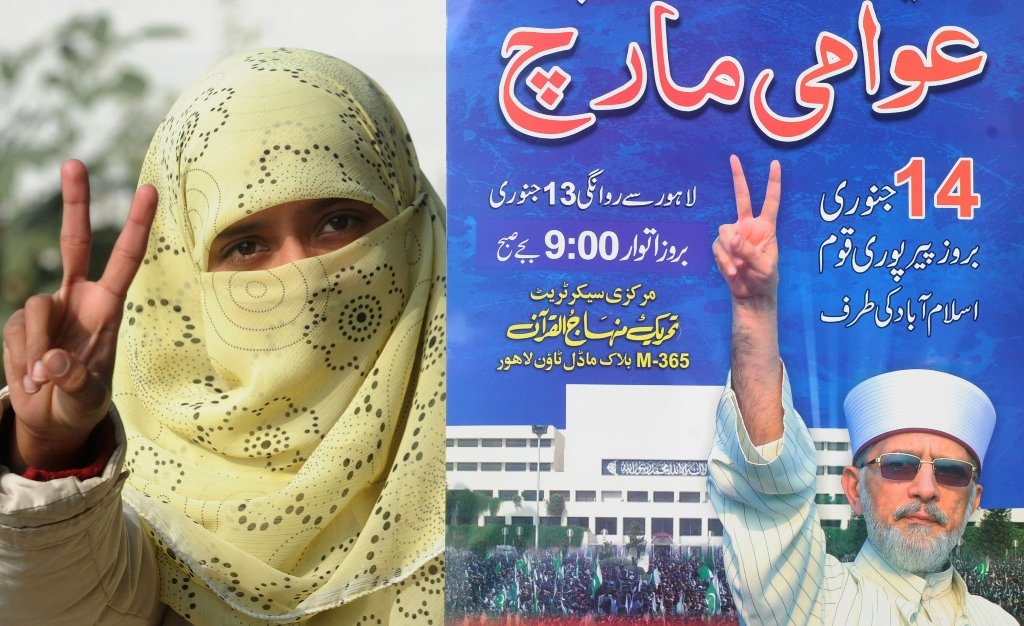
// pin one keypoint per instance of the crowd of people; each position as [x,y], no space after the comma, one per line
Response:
[577,584]
[572,585]
[1001,582]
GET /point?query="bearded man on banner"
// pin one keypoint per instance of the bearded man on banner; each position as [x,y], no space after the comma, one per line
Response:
[919,439]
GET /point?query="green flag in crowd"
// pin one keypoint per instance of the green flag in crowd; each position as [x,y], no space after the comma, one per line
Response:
[712,600]
[595,581]
[704,573]
[982,568]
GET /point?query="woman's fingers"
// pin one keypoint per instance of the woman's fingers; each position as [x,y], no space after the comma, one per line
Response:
[76,232]
[75,229]
[130,247]
[38,318]
[81,395]
[14,351]
[58,349]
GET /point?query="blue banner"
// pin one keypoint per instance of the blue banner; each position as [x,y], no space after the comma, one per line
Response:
[588,147]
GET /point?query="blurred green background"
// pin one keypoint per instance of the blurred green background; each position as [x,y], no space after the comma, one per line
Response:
[73,91]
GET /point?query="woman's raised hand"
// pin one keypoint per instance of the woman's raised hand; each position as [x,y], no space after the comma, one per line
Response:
[59,350]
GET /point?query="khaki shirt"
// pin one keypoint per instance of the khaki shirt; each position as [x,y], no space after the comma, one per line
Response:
[72,553]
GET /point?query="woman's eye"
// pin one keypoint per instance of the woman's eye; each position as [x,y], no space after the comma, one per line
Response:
[339,223]
[242,249]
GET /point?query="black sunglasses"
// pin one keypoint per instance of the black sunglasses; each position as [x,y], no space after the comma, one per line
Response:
[903,467]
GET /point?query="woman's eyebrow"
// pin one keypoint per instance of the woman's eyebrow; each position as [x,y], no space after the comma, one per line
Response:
[329,203]
[253,223]
[238,229]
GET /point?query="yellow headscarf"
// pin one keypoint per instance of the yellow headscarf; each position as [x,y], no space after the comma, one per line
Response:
[285,427]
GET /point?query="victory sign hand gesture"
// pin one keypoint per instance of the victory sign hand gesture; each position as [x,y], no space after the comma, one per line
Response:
[747,252]
[59,349]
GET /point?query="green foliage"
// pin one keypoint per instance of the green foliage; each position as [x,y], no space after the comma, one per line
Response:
[56,90]
[635,541]
[556,505]
[479,539]
[55,83]
[557,537]
[992,537]
[842,543]
[464,506]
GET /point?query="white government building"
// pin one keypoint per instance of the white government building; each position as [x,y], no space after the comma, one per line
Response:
[629,456]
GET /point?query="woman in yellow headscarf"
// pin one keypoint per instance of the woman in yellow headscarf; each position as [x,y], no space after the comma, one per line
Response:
[279,371]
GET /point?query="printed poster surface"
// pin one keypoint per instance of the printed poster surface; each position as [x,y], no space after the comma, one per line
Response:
[588,147]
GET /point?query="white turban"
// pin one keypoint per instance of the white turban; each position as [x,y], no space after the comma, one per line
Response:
[920,401]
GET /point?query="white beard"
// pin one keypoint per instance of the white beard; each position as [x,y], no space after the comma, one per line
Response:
[914,549]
